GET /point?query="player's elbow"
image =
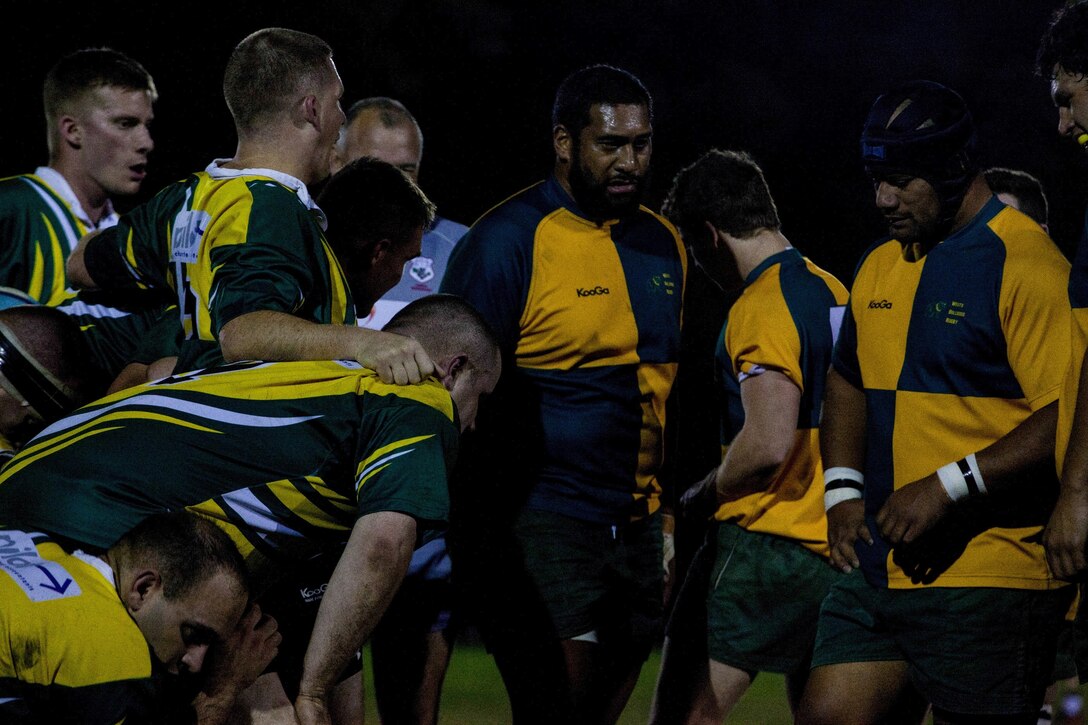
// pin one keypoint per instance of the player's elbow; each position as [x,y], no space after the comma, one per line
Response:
[768,455]
[234,341]
[391,545]
[769,446]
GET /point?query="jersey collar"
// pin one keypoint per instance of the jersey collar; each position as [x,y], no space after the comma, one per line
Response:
[63,189]
[216,171]
[787,255]
[560,197]
[96,561]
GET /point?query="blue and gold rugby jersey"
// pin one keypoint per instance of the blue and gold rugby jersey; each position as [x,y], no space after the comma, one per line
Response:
[71,652]
[953,352]
[590,314]
[1078,300]
[785,321]
[285,456]
[221,243]
[39,230]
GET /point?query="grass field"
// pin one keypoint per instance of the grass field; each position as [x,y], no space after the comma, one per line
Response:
[474,695]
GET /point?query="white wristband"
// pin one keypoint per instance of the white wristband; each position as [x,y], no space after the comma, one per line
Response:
[842,484]
[962,478]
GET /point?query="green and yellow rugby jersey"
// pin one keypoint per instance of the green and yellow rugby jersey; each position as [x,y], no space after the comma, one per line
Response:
[285,456]
[71,652]
[221,243]
[40,228]
[785,321]
[953,352]
[120,331]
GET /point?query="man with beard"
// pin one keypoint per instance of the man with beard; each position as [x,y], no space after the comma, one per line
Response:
[584,288]
[938,438]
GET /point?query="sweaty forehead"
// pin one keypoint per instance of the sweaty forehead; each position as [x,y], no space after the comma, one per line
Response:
[623,119]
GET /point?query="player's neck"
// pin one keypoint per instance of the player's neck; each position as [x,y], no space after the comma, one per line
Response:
[750,252]
[276,156]
[978,193]
[92,198]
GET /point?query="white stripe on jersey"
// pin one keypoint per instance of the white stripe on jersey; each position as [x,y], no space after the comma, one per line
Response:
[377,464]
[71,235]
[206,412]
[243,503]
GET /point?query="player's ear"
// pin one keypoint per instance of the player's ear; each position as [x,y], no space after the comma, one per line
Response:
[453,366]
[144,585]
[562,142]
[379,249]
[715,235]
[308,110]
[71,131]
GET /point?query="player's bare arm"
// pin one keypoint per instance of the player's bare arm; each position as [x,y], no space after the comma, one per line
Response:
[365,579]
[1067,531]
[842,445]
[915,508]
[269,335]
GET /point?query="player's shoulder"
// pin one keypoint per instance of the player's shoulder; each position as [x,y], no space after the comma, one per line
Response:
[883,251]
[526,207]
[513,220]
[25,190]
[1022,236]
[428,403]
[650,217]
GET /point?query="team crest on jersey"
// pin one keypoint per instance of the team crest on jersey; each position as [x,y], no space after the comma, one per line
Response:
[951,312]
[661,284]
[422,269]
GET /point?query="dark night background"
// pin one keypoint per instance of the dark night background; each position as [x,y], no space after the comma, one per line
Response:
[790,82]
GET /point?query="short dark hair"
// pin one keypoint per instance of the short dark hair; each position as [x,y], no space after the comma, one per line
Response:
[725,188]
[267,69]
[601,84]
[1027,189]
[85,70]
[369,200]
[1065,42]
[391,112]
[186,548]
[89,68]
[445,324]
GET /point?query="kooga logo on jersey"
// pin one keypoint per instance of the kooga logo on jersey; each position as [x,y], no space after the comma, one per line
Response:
[881,305]
[598,290]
